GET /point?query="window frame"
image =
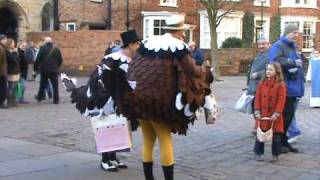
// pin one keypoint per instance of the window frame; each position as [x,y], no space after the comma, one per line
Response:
[172,3]
[74,24]
[258,3]
[205,38]
[292,4]
[97,1]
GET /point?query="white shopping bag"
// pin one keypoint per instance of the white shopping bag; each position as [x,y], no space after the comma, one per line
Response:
[111,133]
[244,104]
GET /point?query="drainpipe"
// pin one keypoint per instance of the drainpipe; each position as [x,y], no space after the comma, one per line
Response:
[56,15]
[109,15]
[128,23]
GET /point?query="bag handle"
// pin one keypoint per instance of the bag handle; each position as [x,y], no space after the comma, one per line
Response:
[265,119]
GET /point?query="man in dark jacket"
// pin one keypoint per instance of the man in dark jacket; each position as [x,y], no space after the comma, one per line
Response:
[3,71]
[196,53]
[30,56]
[286,53]
[48,62]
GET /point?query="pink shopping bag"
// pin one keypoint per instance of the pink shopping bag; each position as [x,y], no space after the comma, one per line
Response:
[113,137]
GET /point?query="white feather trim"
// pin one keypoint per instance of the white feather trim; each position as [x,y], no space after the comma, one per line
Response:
[105,67]
[74,80]
[164,42]
[124,67]
[179,104]
[132,84]
[187,111]
[117,56]
[89,94]
[108,107]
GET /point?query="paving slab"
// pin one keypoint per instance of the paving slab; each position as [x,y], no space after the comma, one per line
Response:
[9,168]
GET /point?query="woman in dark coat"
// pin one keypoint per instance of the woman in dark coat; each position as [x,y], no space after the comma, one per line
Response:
[22,45]
[13,71]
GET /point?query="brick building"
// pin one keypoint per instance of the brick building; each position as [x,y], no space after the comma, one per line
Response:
[17,17]
[304,13]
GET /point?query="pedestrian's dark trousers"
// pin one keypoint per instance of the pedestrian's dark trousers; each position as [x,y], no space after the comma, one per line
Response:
[3,89]
[108,156]
[289,110]
[53,77]
[276,145]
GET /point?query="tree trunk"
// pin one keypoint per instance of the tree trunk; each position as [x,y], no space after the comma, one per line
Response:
[214,54]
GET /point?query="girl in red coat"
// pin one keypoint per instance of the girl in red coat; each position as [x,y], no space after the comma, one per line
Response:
[269,104]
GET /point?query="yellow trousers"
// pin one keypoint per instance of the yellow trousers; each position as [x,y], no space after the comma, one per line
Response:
[150,131]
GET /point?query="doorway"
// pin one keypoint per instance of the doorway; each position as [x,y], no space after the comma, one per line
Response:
[8,23]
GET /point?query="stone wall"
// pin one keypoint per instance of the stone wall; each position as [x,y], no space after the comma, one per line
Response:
[233,61]
[81,50]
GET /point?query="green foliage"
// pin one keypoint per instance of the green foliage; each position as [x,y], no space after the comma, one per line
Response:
[275,29]
[232,42]
[248,29]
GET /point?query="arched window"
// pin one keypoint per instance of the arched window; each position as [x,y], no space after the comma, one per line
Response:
[47,19]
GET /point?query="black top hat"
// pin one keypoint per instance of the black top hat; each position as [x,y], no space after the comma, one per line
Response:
[129,37]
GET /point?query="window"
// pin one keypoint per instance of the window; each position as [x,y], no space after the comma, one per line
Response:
[172,3]
[307,35]
[307,28]
[230,26]
[299,3]
[71,26]
[157,27]
[153,26]
[266,3]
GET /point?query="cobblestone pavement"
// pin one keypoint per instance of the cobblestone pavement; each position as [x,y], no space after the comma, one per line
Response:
[220,151]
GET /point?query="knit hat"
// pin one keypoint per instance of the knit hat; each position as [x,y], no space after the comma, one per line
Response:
[262,39]
[290,28]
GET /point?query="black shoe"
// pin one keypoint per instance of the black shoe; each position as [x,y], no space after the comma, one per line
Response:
[108,166]
[284,150]
[293,150]
[2,106]
[118,164]
[37,98]
[55,102]
[49,95]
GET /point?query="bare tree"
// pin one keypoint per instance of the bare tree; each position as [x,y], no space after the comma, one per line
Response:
[217,10]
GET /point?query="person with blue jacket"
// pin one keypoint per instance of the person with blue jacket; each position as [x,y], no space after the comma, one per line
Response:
[285,52]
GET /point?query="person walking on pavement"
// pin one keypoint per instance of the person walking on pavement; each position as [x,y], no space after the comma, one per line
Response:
[48,62]
[196,53]
[105,87]
[3,71]
[13,71]
[22,45]
[31,57]
[36,75]
[286,53]
[271,91]
[258,67]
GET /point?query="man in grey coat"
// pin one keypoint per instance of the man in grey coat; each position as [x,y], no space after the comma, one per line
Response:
[258,65]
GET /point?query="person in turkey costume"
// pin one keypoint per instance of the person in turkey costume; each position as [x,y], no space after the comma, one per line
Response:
[106,87]
[170,87]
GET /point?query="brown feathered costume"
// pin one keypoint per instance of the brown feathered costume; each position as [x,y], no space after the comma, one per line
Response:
[170,87]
